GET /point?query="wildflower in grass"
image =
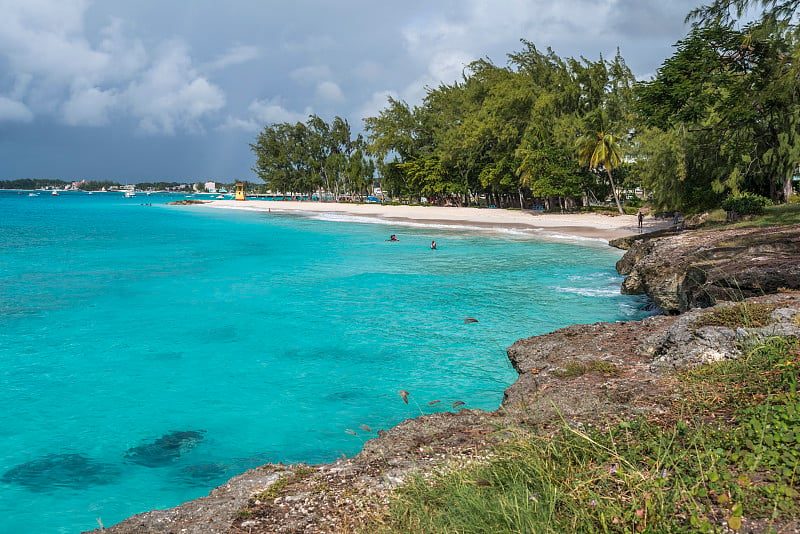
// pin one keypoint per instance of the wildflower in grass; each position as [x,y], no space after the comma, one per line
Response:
[593,503]
[533,498]
[613,470]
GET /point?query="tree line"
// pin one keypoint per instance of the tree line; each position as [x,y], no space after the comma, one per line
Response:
[719,120]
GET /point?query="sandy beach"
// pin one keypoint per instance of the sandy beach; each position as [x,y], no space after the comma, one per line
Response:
[585,225]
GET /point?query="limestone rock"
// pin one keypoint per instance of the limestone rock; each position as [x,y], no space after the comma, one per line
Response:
[697,269]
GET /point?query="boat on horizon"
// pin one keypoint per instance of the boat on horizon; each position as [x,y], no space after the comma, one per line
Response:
[55,193]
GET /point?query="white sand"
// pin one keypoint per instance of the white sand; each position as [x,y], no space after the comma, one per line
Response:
[587,225]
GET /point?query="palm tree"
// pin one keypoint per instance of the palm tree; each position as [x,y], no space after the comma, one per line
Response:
[601,150]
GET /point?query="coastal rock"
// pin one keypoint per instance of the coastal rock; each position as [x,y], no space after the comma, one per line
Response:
[186,202]
[697,268]
[55,471]
[165,449]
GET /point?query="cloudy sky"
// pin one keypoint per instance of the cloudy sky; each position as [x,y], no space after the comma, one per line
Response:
[151,90]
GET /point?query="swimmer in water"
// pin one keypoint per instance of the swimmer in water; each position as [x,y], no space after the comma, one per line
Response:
[433,245]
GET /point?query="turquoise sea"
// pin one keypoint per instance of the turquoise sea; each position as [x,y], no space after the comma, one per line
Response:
[150,352]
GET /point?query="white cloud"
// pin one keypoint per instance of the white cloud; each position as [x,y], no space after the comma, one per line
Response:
[311,73]
[14,111]
[263,113]
[46,38]
[89,107]
[235,56]
[271,111]
[58,70]
[330,91]
[378,101]
[171,94]
[369,71]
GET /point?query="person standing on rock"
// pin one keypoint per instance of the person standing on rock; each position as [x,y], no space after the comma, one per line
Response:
[640,217]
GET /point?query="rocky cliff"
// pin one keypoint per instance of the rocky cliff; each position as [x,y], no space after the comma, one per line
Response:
[699,268]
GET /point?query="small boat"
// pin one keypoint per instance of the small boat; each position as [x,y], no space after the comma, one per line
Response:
[129,194]
[220,197]
[33,194]
[55,193]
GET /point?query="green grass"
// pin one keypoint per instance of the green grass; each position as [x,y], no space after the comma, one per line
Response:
[783,214]
[576,368]
[276,488]
[744,315]
[780,215]
[728,453]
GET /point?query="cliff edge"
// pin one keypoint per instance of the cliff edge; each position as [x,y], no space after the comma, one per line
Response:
[699,268]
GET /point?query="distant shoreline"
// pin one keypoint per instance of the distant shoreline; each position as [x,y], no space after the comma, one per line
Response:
[583,225]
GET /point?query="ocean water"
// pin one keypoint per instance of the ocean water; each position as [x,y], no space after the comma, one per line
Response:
[150,352]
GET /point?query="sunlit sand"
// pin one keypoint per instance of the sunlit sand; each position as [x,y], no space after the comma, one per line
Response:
[586,225]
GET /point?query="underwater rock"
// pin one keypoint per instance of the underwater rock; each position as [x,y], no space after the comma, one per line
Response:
[203,474]
[60,470]
[165,449]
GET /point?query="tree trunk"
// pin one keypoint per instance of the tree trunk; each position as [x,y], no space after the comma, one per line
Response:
[787,187]
[614,191]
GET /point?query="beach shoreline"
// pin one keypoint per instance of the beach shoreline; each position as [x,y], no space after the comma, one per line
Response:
[581,225]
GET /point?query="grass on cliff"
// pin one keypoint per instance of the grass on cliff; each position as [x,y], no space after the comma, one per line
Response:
[726,459]
[779,215]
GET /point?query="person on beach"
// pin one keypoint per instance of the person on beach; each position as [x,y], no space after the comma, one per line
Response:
[433,245]
[640,217]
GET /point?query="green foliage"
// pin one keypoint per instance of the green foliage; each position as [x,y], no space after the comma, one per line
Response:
[722,116]
[680,475]
[746,204]
[31,183]
[311,156]
[507,133]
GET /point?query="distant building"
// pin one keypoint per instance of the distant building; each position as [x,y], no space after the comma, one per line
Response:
[211,187]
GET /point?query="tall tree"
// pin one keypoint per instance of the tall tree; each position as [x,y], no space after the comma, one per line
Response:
[601,149]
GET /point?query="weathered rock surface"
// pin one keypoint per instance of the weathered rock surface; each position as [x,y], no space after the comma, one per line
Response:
[699,268]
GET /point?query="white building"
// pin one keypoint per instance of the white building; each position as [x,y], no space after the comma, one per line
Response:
[211,187]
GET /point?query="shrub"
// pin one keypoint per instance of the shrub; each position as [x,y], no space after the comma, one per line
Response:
[746,204]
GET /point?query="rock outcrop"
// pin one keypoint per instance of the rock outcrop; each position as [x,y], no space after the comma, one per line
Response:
[699,268]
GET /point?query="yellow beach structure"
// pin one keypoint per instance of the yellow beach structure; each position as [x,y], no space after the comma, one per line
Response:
[240,191]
